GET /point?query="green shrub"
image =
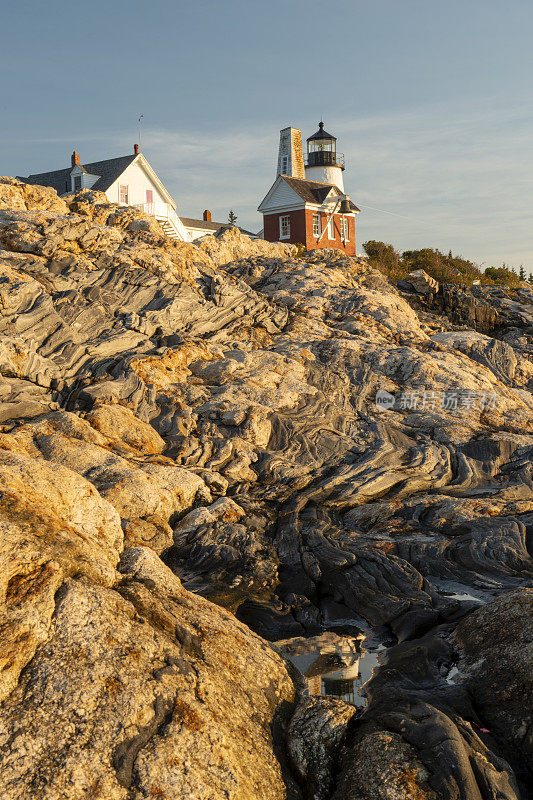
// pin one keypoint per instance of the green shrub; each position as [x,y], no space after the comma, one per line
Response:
[385,258]
[501,275]
[444,267]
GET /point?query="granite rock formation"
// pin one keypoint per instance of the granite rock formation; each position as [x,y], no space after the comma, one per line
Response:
[195,462]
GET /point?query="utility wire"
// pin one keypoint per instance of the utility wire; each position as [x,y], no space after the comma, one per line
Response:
[425,225]
[382,211]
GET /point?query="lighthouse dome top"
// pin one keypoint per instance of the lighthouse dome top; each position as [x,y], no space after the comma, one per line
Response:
[321,134]
[322,152]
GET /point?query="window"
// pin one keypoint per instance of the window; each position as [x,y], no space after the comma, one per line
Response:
[284,227]
[77,183]
[321,146]
[149,196]
[316,225]
[284,165]
[123,194]
[339,688]
[331,229]
[345,229]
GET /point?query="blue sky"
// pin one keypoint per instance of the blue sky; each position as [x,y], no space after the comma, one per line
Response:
[431,103]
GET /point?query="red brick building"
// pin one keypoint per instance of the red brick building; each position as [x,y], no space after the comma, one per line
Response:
[312,210]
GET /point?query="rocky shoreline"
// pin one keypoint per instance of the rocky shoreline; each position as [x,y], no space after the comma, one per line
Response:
[194,466]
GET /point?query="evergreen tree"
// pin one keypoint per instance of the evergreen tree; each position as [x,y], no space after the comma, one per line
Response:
[232,217]
[522,273]
[531,277]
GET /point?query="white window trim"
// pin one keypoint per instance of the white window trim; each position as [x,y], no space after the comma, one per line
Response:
[316,218]
[345,229]
[331,229]
[281,234]
[127,187]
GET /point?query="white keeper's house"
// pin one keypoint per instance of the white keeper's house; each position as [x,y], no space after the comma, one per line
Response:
[130,181]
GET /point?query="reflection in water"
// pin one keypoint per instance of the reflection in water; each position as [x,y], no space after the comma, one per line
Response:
[333,666]
[458,591]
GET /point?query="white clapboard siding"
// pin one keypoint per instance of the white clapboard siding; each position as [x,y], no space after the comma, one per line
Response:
[138,181]
[281,195]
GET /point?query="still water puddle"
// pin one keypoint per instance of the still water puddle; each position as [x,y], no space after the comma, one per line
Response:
[452,675]
[458,591]
[332,665]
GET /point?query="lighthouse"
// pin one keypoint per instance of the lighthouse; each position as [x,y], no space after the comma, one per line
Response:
[324,164]
[307,203]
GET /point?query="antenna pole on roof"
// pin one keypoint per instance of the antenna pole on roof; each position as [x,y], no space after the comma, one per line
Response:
[140,142]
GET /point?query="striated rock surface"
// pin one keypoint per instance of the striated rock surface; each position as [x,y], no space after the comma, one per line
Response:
[317,730]
[497,671]
[192,452]
[421,282]
[449,714]
[143,690]
[383,767]
[230,246]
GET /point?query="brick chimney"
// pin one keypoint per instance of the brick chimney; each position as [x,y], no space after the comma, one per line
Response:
[207,216]
[136,149]
[74,159]
[290,156]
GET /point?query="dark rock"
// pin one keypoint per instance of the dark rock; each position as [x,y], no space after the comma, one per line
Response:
[269,622]
[316,733]
[496,644]
[217,404]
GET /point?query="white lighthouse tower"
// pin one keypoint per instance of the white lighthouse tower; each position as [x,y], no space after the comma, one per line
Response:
[323,163]
[307,204]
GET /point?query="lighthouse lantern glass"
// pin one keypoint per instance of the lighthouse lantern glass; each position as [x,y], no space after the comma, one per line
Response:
[321,145]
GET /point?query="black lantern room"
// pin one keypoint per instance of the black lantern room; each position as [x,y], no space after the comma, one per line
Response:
[322,150]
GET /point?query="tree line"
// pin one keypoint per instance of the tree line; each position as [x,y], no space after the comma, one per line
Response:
[444,267]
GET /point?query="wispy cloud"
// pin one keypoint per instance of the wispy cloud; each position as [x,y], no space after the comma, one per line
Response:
[459,174]
[446,176]
[434,176]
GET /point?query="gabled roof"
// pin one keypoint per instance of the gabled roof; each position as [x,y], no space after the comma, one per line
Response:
[310,192]
[324,664]
[202,224]
[210,226]
[313,191]
[108,170]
